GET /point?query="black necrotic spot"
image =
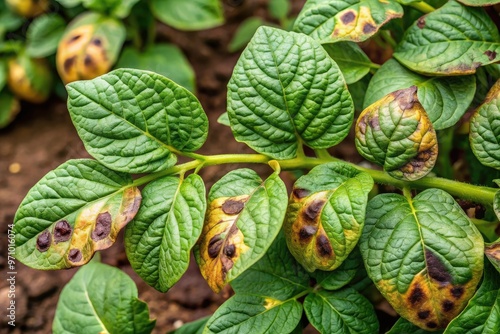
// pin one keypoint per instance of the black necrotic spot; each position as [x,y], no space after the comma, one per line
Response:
[75,255]
[68,63]
[102,226]
[313,209]
[457,291]
[323,246]
[43,241]
[423,314]
[62,231]
[229,250]
[448,305]
[417,295]
[431,324]
[307,232]
[300,193]
[214,246]
[436,269]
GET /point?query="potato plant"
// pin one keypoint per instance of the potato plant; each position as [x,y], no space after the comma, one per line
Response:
[396,222]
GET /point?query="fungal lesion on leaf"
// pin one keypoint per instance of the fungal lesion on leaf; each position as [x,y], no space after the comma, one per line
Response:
[221,244]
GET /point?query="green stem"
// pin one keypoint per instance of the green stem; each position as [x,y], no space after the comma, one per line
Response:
[422,6]
[478,194]
[386,35]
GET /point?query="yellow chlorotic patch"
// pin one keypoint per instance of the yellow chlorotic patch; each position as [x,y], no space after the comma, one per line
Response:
[222,243]
[28,8]
[269,303]
[21,83]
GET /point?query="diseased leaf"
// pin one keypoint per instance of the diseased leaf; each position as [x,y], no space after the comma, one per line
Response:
[73,211]
[188,15]
[445,99]
[90,46]
[341,312]
[452,40]
[423,254]
[9,107]
[351,59]
[403,326]
[256,315]
[496,201]
[244,216]
[133,120]
[492,252]
[101,299]
[43,35]
[275,275]
[285,89]
[326,214]
[484,133]
[338,278]
[345,20]
[482,314]
[159,240]
[396,133]
[164,59]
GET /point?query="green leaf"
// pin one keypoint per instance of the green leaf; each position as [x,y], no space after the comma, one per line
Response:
[285,89]
[43,35]
[345,20]
[101,299]
[452,40]
[496,201]
[445,99]
[3,73]
[336,279]
[341,312]
[194,327]
[115,8]
[275,275]
[9,21]
[279,9]
[159,240]
[484,133]
[396,133]
[224,119]
[352,61]
[358,91]
[73,211]
[9,107]
[188,15]
[403,326]
[89,47]
[133,120]
[482,314]
[326,215]
[164,59]
[479,3]
[486,76]
[423,254]
[244,33]
[256,315]
[244,216]
[69,3]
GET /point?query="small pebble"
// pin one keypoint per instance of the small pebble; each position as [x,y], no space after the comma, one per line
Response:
[178,323]
[15,167]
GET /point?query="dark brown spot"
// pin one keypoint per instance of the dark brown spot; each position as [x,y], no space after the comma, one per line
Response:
[88,61]
[421,22]
[423,314]
[416,296]
[97,42]
[323,246]
[229,250]
[102,226]
[232,207]
[431,324]
[374,123]
[368,28]
[424,155]
[307,232]
[68,63]
[313,209]
[227,264]
[73,39]
[300,193]
[448,305]
[348,17]
[490,54]
[406,98]
[436,269]
[214,246]
[75,255]
[43,241]
[62,231]
[457,291]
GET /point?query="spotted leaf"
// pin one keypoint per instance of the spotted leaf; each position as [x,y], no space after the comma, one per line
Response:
[396,133]
[492,252]
[484,133]
[132,120]
[159,240]
[403,326]
[445,99]
[9,107]
[73,211]
[482,314]
[423,254]
[285,91]
[325,215]
[244,216]
[89,47]
[255,314]
[345,20]
[452,40]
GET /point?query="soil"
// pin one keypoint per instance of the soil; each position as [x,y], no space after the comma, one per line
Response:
[42,137]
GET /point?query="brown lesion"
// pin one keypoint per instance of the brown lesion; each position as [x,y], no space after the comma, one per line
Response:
[43,241]
[490,54]
[62,231]
[369,28]
[312,210]
[348,17]
[323,246]
[233,207]
[299,193]
[75,255]
[102,226]
[436,269]
[421,22]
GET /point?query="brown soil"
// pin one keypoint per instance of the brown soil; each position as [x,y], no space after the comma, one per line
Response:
[43,137]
